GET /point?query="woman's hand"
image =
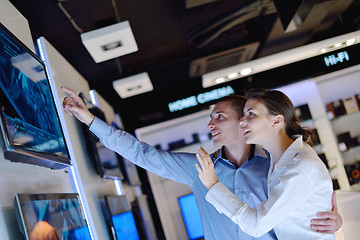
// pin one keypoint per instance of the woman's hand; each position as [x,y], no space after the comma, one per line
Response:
[328,222]
[207,173]
[74,105]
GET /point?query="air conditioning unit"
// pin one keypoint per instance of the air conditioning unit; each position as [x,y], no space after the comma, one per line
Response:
[223,59]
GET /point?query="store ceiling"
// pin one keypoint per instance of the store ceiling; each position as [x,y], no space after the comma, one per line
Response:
[171,35]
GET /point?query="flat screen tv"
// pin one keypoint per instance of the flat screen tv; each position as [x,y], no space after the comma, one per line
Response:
[122,221]
[51,216]
[191,217]
[30,124]
[106,162]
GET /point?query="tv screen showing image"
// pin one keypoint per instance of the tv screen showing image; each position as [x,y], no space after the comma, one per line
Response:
[122,221]
[51,216]
[191,216]
[29,121]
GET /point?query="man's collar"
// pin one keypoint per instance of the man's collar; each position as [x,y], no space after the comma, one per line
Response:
[256,151]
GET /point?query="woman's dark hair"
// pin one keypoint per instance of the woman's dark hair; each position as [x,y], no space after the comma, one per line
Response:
[237,103]
[278,103]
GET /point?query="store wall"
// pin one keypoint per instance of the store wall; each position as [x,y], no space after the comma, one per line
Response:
[81,176]
[19,177]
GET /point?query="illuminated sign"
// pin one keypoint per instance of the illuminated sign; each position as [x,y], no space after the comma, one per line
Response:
[200,98]
[336,58]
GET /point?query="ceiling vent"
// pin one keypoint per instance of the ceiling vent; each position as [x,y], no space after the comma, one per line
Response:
[133,85]
[110,42]
[223,59]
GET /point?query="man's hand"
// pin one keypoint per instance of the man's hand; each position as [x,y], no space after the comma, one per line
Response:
[328,222]
[207,173]
[74,105]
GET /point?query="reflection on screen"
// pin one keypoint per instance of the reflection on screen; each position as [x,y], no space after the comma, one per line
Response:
[55,219]
[191,216]
[26,100]
[125,228]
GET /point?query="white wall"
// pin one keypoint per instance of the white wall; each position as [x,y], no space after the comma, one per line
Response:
[91,187]
[81,176]
[19,177]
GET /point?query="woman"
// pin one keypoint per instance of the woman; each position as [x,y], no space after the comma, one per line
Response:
[299,183]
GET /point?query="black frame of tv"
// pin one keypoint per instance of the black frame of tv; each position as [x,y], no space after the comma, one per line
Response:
[123,207]
[94,146]
[21,199]
[21,154]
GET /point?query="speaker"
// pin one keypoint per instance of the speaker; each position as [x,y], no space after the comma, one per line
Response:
[353,173]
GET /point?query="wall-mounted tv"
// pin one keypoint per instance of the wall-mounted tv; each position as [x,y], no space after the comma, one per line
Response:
[106,162]
[30,124]
[51,216]
[191,217]
[122,221]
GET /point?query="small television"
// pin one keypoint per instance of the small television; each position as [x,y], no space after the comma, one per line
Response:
[51,216]
[191,217]
[106,162]
[30,124]
[121,218]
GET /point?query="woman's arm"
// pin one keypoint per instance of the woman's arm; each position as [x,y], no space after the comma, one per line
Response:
[283,199]
[328,222]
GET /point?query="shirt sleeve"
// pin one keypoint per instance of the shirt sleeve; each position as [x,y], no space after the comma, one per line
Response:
[179,167]
[292,190]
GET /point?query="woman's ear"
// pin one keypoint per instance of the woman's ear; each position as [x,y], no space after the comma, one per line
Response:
[278,120]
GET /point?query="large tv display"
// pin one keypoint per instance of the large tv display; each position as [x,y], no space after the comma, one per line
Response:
[51,216]
[191,217]
[30,125]
[122,221]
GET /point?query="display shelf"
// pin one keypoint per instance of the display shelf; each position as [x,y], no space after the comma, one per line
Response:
[349,115]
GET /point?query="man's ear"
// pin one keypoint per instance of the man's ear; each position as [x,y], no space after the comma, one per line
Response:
[278,120]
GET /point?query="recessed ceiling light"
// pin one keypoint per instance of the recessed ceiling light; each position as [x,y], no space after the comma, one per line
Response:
[220,80]
[337,45]
[350,41]
[323,50]
[233,75]
[246,71]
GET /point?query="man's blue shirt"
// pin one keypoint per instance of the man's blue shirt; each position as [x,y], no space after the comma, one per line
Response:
[248,182]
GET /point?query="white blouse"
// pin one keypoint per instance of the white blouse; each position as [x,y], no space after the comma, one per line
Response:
[299,187]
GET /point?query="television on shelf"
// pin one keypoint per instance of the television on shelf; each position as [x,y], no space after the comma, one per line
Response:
[191,217]
[51,216]
[121,218]
[30,125]
[105,161]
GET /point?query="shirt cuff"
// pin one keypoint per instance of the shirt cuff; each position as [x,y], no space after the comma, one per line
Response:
[223,199]
[97,127]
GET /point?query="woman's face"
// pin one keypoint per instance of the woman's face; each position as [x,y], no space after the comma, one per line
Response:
[257,122]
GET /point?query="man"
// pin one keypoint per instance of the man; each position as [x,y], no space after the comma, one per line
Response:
[242,168]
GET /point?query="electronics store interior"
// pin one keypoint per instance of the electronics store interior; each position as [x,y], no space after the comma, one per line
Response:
[155,69]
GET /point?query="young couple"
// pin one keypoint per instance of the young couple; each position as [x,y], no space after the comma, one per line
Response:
[242,172]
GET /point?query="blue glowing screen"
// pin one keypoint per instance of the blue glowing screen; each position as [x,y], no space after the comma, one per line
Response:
[55,219]
[125,228]
[30,117]
[191,216]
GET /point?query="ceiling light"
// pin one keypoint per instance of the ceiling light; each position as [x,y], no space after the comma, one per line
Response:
[282,58]
[350,41]
[233,75]
[220,80]
[133,85]
[110,42]
[246,71]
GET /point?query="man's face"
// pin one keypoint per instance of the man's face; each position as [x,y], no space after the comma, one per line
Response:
[225,125]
